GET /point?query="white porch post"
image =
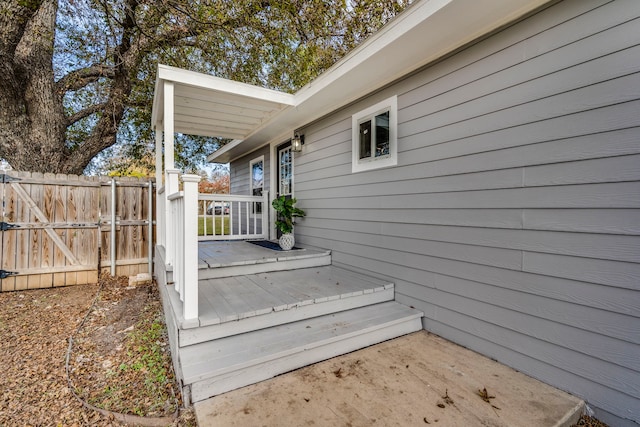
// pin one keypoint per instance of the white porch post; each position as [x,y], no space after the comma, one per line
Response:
[190,270]
[168,125]
[171,186]
[160,223]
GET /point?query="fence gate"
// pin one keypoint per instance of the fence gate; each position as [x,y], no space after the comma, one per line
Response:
[49,230]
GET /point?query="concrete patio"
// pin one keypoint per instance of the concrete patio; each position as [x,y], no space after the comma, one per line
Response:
[418,379]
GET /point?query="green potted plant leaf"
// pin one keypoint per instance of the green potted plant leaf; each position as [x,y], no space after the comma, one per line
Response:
[286,212]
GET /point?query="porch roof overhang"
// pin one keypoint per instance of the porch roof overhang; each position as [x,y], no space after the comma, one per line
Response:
[425,32]
[206,105]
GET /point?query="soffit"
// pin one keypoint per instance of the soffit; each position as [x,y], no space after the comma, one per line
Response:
[210,106]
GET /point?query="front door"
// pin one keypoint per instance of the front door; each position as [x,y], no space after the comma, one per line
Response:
[284,172]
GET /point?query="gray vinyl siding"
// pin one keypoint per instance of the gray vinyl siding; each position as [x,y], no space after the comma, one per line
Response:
[513,217]
[239,171]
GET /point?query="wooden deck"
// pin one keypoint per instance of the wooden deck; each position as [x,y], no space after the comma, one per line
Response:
[234,305]
[224,259]
[263,312]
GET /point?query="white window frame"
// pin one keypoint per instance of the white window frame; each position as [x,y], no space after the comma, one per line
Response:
[369,163]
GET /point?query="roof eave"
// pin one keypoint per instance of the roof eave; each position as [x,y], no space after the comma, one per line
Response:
[393,52]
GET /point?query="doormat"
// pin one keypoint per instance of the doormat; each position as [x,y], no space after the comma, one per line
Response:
[274,246]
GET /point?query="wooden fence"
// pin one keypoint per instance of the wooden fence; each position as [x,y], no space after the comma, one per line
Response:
[57,230]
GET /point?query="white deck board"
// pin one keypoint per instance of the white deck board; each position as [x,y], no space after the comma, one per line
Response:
[232,291]
[332,279]
[288,291]
[258,297]
[209,314]
[235,353]
[281,292]
[214,331]
[218,305]
[216,254]
[230,299]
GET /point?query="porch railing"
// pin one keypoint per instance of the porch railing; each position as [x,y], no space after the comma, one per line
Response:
[233,217]
[182,240]
[185,217]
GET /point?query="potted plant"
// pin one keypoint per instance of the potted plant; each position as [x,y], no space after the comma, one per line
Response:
[286,212]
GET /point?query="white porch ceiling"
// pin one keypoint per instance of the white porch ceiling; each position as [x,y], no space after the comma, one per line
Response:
[210,106]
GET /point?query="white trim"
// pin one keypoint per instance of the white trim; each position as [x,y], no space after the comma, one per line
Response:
[414,15]
[206,81]
[228,147]
[360,165]
[273,176]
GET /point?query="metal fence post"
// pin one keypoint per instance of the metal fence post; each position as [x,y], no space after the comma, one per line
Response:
[150,230]
[113,227]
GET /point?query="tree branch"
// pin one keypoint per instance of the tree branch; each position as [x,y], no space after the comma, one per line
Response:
[78,79]
[85,113]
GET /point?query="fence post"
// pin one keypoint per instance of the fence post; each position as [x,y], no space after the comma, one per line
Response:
[113,228]
[190,270]
[150,229]
[171,186]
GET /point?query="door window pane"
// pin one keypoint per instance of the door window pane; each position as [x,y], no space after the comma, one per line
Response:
[257,182]
[257,178]
[286,171]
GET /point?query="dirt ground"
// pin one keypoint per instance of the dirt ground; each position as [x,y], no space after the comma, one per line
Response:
[109,363]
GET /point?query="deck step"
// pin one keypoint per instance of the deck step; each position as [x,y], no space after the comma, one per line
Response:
[267,261]
[235,305]
[215,367]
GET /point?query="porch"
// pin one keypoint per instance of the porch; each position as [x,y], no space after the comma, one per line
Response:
[238,313]
[263,312]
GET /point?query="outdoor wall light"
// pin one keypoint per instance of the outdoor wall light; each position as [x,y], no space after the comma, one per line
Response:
[297,142]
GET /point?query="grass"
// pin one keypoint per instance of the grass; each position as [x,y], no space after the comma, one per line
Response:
[146,356]
[220,222]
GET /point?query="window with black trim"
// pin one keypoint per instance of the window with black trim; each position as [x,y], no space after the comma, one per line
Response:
[374,136]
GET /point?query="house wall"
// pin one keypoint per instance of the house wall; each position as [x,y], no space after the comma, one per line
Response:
[239,171]
[513,217]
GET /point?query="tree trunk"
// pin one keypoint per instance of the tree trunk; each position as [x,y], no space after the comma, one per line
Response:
[32,122]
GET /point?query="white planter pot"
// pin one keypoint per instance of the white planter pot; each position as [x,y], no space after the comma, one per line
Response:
[287,241]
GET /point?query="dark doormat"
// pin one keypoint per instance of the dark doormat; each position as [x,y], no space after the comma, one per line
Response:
[274,246]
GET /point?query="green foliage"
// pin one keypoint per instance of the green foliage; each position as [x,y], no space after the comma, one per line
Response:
[105,54]
[286,210]
[279,45]
[146,354]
